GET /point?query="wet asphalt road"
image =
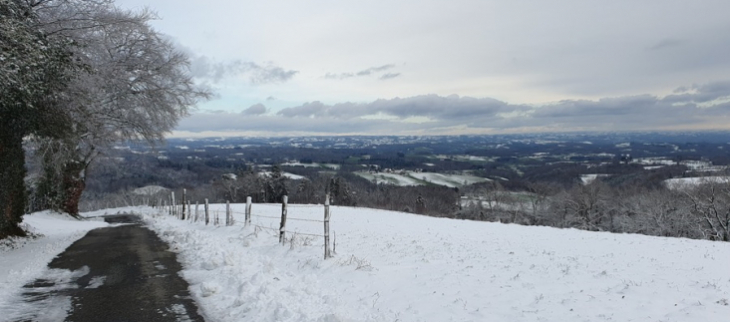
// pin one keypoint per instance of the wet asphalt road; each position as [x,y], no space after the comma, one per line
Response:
[131,277]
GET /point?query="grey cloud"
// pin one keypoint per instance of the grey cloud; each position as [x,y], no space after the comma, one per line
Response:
[714,90]
[271,98]
[479,115]
[389,76]
[313,109]
[667,43]
[603,107]
[269,74]
[701,93]
[432,106]
[204,67]
[374,70]
[256,109]
[681,89]
[338,76]
[364,72]
[593,67]
[322,125]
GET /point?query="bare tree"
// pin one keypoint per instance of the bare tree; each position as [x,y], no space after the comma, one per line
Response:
[710,204]
[136,86]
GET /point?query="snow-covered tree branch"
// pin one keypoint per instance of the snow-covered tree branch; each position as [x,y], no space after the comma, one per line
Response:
[136,86]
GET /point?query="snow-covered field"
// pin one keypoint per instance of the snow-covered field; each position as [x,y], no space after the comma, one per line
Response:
[588,178]
[390,178]
[149,190]
[680,183]
[394,266]
[400,267]
[412,178]
[449,180]
[313,165]
[284,174]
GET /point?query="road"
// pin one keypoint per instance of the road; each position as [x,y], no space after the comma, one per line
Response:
[122,273]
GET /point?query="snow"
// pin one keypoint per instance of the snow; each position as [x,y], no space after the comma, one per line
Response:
[653,167]
[654,161]
[149,190]
[588,178]
[390,178]
[284,174]
[96,281]
[680,183]
[472,158]
[54,308]
[299,164]
[412,178]
[23,260]
[332,166]
[392,266]
[395,266]
[449,180]
[313,165]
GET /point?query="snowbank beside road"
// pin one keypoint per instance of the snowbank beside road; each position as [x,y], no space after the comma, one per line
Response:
[22,260]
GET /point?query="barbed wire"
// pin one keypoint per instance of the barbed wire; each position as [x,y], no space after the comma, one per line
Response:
[270,228]
[288,231]
[299,233]
[236,222]
[302,219]
[304,206]
[288,218]
[262,216]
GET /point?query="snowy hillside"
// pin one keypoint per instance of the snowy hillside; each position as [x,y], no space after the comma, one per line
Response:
[394,266]
[401,267]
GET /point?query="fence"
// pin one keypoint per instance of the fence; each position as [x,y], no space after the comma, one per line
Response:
[184,211]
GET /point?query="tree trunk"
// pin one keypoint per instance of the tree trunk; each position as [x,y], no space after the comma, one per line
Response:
[73,185]
[12,186]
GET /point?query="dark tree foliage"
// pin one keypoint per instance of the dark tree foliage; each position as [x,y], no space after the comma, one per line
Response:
[33,71]
[275,186]
[76,76]
[340,193]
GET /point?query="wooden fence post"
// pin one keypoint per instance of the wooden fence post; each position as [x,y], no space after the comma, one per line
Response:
[183,204]
[327,253]
[196,212]
[207,214]
[282,227]
[190,211]
[248,212]
[173,205]
[229,216]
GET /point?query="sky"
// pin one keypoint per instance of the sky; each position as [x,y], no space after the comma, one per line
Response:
[425,67]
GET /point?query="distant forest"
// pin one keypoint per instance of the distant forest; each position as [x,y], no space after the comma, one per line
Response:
[529,183]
